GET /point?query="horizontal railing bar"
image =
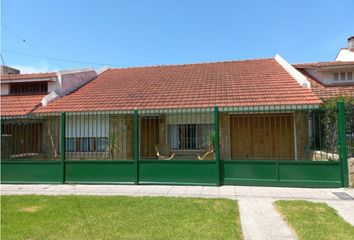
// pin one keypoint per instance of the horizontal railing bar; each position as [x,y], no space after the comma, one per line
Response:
[269,108]
[100,161]
[176,161]
[30,161]
[324,162]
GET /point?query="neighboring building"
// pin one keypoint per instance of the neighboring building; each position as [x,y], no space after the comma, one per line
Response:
[346,54]
[22,93]
[329,79]
[8,70]
[332,79]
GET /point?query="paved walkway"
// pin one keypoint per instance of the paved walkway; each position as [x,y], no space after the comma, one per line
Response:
[259,219]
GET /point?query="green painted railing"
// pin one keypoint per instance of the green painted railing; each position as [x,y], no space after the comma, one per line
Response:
[217,145]
[342,142]
[62,144]
[269,146]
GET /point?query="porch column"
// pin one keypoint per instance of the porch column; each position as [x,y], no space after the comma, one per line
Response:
[62,144]
[217,146]
[342,143]
[136,145]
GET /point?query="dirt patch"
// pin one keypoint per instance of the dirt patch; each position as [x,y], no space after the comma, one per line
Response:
[30,209]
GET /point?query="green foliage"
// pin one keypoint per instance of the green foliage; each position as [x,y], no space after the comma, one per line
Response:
[113,143]
[329,132]
[331,102]
[315,221]
[211,137]
[93,217]
[329,122]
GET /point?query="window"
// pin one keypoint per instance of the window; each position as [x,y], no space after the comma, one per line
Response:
[86,144]
[342,76]
[70,144]
[189,136]
[31,87]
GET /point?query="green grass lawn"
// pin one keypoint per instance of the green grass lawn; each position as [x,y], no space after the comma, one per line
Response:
[315,220]
[93,217]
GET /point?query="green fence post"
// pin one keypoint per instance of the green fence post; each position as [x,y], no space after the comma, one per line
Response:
[342,143]
[62,144]
[217,145]
[136,145]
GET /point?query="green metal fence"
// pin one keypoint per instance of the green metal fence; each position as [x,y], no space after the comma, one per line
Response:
[177,146]
[283,147]
[278,146]
[350,128]
[30,150]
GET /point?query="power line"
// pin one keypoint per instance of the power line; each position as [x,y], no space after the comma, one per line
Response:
[24,40]
[53,60]
[33,47]
[36,49]
[58,59]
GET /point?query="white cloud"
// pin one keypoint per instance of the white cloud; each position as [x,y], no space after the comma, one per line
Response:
[34,69]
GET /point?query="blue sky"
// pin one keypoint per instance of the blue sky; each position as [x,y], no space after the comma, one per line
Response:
[140,33]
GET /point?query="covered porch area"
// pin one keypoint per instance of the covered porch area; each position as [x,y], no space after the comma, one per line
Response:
[273,146]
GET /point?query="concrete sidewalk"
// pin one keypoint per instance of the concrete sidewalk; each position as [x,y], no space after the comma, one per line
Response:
[231,192]
[259,219]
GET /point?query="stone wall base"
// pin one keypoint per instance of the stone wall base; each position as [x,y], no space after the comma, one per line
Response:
[351,171]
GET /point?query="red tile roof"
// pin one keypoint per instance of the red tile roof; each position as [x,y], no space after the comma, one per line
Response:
[19,105]
[235,83]
[322,64]
[328,91]
[29,76]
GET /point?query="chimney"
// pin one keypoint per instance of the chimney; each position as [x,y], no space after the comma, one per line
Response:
[351,43]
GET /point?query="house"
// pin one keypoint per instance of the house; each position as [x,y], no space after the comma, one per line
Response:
[21,94]
[346,54]
[238,84]
[332,79]
[235,122]
[329,79]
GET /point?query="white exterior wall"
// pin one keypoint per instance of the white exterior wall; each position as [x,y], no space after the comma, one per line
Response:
[345,55]
[328,76]
[52,86]
[87,126]
[5,89]
[71,80]
[67,82]
[324,77]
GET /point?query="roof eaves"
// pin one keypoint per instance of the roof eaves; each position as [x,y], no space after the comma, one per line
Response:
[19,80]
